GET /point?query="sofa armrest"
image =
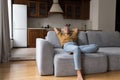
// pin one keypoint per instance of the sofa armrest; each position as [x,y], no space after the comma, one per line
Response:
[44,56]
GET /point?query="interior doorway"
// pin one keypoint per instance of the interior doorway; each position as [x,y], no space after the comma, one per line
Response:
[117,28]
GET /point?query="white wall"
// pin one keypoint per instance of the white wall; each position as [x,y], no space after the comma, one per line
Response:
[107,12]
[56,20]
[102,14]
[94,13]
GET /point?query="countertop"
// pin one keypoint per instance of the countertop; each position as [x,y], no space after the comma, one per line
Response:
[36,28]
[50,29]
[42,28]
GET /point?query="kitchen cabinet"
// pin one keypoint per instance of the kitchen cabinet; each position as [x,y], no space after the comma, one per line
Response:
[85,9]
[77,9]
[72,11]
[37,9]
[32,8]
[42,8]
[33,34]
[20,1]
[68,11]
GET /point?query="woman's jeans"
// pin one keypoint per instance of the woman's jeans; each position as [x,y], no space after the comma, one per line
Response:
[73,47]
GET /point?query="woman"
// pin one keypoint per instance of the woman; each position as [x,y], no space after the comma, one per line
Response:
[68,42]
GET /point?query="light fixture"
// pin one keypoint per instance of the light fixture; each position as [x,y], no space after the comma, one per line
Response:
[55,7]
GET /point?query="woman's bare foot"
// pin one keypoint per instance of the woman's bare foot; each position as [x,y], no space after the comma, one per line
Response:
[79,75]
[79,78]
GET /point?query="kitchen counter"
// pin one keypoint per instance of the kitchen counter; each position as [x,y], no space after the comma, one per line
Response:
[48,29]
[34,33]
[51,29]
[36,28]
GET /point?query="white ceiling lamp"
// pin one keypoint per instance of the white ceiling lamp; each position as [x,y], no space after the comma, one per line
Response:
[55,7]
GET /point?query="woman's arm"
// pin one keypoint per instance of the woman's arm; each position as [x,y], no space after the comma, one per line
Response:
[75,30]
[56,30]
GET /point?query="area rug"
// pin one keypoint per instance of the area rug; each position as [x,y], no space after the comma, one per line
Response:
[23,54]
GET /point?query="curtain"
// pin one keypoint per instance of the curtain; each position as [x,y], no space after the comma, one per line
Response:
[4,32]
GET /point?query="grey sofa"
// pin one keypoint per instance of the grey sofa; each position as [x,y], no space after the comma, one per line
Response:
[52,59]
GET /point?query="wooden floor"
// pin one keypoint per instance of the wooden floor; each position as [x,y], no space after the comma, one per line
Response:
[26,70]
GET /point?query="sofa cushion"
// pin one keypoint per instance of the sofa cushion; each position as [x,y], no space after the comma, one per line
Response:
[110,50]
[82,38]
[53,39]
[113,54]
[94,63]
[111,39]
[64,65]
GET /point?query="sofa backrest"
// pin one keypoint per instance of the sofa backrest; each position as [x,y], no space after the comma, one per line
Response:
[82,38]
[53,39]
[104,39]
